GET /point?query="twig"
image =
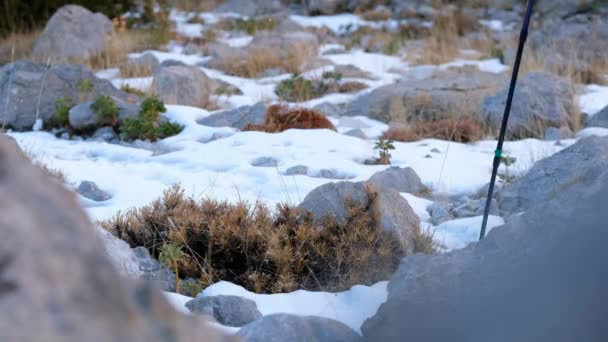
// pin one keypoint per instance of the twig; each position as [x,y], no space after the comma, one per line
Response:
[10,82]
[46,72]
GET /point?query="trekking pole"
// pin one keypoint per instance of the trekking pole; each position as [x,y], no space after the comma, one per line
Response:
[505,119]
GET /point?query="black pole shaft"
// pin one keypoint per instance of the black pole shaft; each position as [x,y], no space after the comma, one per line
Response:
[505,119]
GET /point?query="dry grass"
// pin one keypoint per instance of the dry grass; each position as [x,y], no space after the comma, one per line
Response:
[376,15]
[21,42]
[262,251]
[352,86]
[196,5]
[49,171]
[462,130]
[280,118]
[258,60]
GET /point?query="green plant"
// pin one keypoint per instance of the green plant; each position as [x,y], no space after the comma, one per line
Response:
[151,107]
[333,75]
[384,146]
[146,125]
[250,26]
[506,176]
[128,89]
[106,110]
[62,110]
[85,87]
[171,254]
[498,52]
[191,288]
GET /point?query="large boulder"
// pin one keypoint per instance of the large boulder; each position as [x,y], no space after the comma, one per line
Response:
[21,82]
[540,100]
[232,311]
[537,278]
[441,96]
[56,282]
[251,8]
[284,327]
[400,179]
[238,117]
[391,211]
[183,85]
[576,166]
[73,32]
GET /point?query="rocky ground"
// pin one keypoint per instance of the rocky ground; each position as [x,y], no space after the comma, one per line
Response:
[118,124]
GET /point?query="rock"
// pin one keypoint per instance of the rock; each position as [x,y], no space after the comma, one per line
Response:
[552,133]
[137,262]
[284,44]
[285,327]
[237,118]
[73,32]
[82,116]
[62,80]
[104,134]
[320,7]
[576,166]
[357,133]
[442,96]
[521,283]
[221,52]
[183,85]
[251,8]
[265,162]
[91,191]
[56,277]
[232,311]
[599,119]
[474,207]
[351,71]
[297,170]
[439,213]
[330,174]
[146,63]
[392,212]
[541,99]
[400,179]
[191,49]
[328,109]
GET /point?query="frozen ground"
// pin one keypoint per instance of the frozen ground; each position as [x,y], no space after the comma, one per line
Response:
[217,162]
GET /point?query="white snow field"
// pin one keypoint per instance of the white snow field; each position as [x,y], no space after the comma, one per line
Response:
[217,162]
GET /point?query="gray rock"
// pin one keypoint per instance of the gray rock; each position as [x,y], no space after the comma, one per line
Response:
[173,62]
[351,71]
[357,133]
[62,80]
[191,49]
[391,210]
[82,116]
[232,311]
[599,119]
[237,118]
[400,179]
[104,134]
[317,7]
[251,8]
[576,166]
[73,32]
[542,99]
[474,207]
[284,327]
[146,63]
[183,85]
[552,133]
[283,44]
[328,109]
[265,162]
[55,275]
[331,174]
[297,170]
[441,96]
[521,283]
[439,213]
[153,271]
[91,191]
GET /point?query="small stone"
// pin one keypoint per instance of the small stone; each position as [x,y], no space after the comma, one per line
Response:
[232,311]
[265,162]
[91,191]
[297,170]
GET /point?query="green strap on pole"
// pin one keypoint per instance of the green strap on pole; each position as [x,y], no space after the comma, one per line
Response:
[498,153]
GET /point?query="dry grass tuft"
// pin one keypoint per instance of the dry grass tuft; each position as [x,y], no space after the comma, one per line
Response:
[258,60]
[280,118]
[39,163]
[462,130]
[262,251]
[376,15]
[21,42]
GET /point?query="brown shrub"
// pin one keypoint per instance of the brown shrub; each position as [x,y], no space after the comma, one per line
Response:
[376,15]
[280,118]
[262,251]
[352,86]
[462,130]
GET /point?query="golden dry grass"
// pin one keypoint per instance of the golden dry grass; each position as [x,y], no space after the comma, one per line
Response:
[264,251]
[462,130]
[21,42]
[280,118]
[376,15]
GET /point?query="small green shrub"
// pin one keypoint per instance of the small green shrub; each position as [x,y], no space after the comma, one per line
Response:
[128,89]
[333,75]
[299,89]
[146,126]
[106,110]
[85,87]
[62,110]
[171,254]
[384,146]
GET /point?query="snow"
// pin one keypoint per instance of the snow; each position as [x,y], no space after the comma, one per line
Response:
[419,205]
[237,42]
[587,132]
[350,307]
[594,99]
[459,233]
[495,25]
[492,65]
